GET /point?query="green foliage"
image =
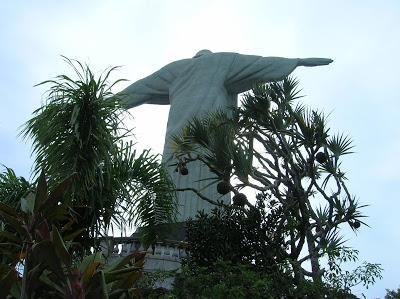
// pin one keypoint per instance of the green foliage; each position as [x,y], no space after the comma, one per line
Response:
[284,151]
[227,240]
[51,231]
[234,236]
[392,294]
[280,149]
[149,284]
[150,280]
[80,131]
[46,249]
[13,188]
[77,127]
[226,281]
[365,274]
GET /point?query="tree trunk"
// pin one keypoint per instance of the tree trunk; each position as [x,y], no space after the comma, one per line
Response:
[315,266]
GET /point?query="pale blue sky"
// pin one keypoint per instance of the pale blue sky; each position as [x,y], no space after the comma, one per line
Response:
[360,89]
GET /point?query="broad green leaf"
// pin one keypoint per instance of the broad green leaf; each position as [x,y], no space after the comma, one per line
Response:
[41,191]
[124,280]
[89,265]
[8,210]
[15,223]
[58,192]
[44,253]
[89,272]
[98,287]
[103,286]
[45,279]
[137,257]
[60,247]
[42,229]
[88,260]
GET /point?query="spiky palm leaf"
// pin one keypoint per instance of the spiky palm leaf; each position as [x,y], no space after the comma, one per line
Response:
[142,177]
[13,188]
[211,140]
[76,128]
[79,131]
[294,160]
[340,145]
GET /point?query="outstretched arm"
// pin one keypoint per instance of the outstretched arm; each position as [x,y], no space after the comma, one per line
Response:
[314,61]
[150,90]
[248,69]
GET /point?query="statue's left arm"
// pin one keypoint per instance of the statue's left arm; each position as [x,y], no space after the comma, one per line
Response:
[245,70]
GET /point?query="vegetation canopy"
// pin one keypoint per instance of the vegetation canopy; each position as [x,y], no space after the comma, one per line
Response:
[80,131]
[90,180]
[284,152]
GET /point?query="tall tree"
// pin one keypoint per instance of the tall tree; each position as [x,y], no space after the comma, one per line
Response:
[80,131]
[285,152]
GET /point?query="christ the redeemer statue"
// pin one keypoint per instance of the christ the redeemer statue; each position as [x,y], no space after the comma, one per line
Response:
[196,86]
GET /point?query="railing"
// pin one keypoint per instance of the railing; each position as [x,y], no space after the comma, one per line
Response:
[113,247]
[166,255]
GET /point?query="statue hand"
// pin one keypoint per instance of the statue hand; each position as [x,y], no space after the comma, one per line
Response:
[314,61]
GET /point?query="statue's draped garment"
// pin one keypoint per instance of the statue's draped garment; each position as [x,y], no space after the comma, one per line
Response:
[194,87]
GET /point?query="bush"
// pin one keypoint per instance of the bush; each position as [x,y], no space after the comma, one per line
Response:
[227,280]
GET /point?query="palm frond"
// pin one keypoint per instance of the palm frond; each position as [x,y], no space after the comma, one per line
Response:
[80,130]
[340,145]
[148,195]
[13,188]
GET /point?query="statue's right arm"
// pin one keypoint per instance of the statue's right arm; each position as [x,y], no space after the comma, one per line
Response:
[153,89]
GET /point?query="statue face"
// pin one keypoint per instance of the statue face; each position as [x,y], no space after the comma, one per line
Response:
[202,52]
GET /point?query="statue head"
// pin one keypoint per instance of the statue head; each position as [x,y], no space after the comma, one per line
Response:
[202,52]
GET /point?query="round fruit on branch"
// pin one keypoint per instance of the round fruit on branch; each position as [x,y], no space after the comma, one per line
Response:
[239,199]
[223,187]
[183,170]
[321,157]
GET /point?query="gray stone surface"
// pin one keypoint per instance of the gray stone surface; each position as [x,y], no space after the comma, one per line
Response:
[196,86]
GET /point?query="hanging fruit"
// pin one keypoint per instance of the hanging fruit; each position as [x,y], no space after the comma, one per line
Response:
[223,187]
[183,170]
[321,157]
[239,199]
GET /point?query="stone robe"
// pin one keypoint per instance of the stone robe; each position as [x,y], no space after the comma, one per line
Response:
[194,87]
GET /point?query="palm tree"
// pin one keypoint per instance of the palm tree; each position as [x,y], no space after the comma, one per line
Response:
[80,132]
